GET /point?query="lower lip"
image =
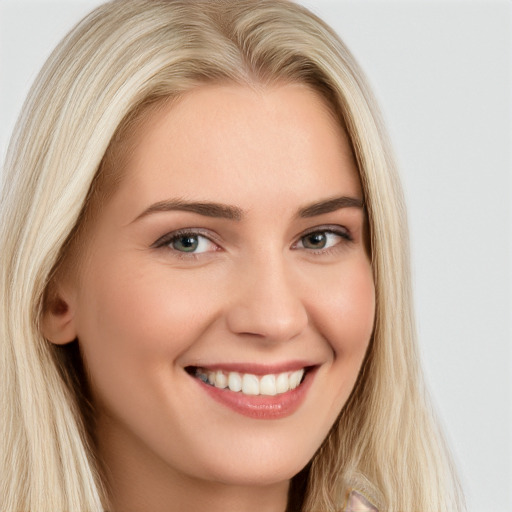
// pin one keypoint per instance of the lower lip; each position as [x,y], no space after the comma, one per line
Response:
[260,406]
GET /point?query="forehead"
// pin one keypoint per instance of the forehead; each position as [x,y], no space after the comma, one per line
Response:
[221,140]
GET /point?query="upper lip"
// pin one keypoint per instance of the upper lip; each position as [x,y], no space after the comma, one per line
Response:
[256,368]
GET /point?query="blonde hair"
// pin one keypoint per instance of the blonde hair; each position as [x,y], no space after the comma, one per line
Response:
[125,55]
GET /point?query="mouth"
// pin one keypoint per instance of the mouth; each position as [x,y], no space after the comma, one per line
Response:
[249,384]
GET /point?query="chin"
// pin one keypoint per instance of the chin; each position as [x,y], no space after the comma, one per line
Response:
[261,464]
[260,474]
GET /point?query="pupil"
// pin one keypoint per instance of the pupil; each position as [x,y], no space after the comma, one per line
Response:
[315,241]
[186,244]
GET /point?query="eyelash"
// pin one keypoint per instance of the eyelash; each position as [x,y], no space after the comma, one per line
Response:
[343,233]
[166,240]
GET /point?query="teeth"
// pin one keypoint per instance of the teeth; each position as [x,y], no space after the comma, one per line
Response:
[221,381]
[202,376]
[235,381]
[282,383]
[268,385]
[295,379]
[249,384]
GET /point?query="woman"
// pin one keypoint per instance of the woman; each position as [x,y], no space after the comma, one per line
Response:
[204,237]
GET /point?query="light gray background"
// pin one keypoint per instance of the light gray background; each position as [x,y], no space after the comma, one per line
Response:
[442,73]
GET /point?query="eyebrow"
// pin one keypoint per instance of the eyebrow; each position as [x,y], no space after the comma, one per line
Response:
[224,211]
[330,205]
[207,209]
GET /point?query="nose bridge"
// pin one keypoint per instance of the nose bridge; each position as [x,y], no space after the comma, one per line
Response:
[267,301]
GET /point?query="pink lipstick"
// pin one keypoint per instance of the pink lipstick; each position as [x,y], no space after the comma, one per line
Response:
[265,393]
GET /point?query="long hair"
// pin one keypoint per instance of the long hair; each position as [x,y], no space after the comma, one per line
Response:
[124,56]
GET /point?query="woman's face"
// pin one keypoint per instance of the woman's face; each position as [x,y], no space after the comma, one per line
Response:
[232,252]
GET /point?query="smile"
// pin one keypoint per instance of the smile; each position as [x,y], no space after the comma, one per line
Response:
[250,384]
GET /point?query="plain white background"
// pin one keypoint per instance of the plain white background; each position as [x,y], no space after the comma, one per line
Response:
[442,73]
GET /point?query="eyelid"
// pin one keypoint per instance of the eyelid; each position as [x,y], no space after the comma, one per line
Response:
[333,228]
[327,228]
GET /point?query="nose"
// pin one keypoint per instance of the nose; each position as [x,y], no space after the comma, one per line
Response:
[266,302]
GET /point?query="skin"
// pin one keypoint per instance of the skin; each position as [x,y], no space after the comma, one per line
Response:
[254,293]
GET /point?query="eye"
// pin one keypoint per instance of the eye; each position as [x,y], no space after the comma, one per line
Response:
[322,239]
[186,242]
[190,243]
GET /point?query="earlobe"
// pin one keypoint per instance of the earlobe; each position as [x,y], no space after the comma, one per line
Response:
[58,320]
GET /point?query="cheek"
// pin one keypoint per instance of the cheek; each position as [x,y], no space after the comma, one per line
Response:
[345,309]
[134,328]
[344,315]
[134,303]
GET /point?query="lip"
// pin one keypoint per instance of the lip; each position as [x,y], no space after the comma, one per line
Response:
[261,407]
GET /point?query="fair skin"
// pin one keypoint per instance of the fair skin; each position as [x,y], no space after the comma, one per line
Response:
[261,283]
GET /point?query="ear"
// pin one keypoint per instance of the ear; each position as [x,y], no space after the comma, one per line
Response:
[58,320]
